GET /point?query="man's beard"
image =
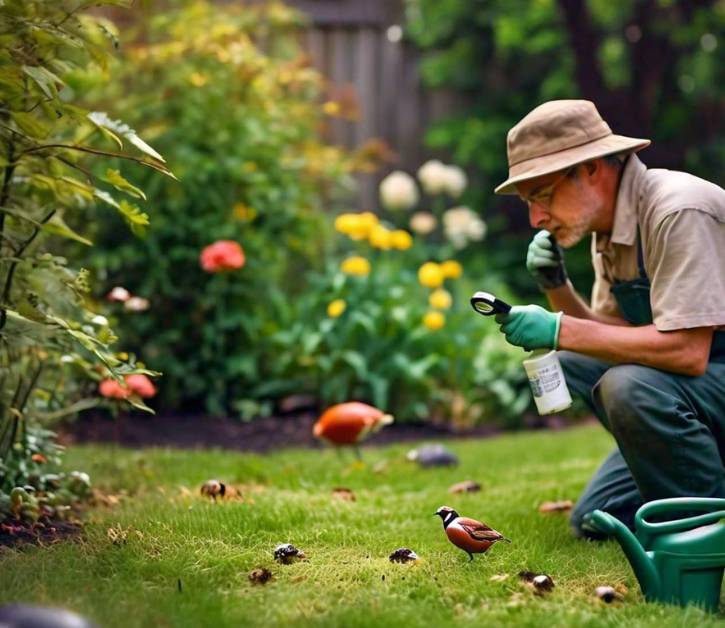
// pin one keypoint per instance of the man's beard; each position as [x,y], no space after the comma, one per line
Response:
[572,234]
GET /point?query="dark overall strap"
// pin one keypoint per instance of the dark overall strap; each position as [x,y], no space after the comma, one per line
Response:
[640,256]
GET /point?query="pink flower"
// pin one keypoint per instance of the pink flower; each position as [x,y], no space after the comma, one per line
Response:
[140,385]
[118,294]
[113,390]
[222,255]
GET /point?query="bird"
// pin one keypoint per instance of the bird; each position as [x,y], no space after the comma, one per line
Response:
[348,424]
[472,536]
[213,489]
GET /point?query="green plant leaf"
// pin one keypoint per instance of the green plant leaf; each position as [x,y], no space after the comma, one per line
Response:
[44,78]
[57,226]
[117,181]
[101,119]
[30,124]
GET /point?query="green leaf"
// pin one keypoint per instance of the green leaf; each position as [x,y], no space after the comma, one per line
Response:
[117,181]
[134,217]
[101,119]
[57,226]
[357,362]
[44,78]
[30,124]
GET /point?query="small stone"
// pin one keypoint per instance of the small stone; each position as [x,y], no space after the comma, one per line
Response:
[435,455]
[288,553]
[560,506]
[403,555]
[467,486]
[261,575]
[608,594]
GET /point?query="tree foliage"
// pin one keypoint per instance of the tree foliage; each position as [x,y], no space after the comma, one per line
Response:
[54,344]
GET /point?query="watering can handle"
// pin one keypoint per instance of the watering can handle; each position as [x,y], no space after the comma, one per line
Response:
[678,504]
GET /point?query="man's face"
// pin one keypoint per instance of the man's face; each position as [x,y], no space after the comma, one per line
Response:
[565,203]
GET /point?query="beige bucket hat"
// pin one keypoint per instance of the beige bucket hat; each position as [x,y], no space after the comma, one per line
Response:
[557,135]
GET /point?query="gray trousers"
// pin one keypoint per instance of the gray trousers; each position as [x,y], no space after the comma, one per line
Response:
[669,429]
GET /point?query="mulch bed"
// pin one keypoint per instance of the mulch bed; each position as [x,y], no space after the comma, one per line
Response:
[261,435]
[41,533]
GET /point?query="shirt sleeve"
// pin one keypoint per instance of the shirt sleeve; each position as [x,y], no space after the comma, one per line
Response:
[686,266]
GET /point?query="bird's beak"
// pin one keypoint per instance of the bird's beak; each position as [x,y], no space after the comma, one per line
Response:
[435,514]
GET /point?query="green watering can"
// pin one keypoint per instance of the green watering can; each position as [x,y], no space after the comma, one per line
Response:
[680,561]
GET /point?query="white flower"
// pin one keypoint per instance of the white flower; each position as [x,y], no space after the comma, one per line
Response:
[136,304]
[433,176]
[423,222]
[118,294]
[100,320]
[398,191]
[462,226]
[455,181]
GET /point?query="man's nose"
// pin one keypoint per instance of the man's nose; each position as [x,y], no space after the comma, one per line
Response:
[538,215]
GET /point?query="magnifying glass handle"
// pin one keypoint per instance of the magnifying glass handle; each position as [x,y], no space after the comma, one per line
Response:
[502,307]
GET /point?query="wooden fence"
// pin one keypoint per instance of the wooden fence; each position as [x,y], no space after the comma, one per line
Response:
[356,45]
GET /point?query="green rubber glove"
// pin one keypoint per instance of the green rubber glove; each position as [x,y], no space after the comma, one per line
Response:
[531,327]
[545,261]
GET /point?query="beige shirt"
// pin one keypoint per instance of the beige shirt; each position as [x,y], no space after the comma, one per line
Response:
[682,227]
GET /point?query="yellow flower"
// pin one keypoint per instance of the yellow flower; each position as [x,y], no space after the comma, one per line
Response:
[401,240]
[430,275]
[331,108]
[346,223]
[357,226]
[336,308]
[451,269]
[197,79]
[380,237]
[244,212]
[440,299]
[434,320]
[355,265]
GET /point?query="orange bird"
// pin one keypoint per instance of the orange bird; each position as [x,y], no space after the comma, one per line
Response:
[350,423]
[472,536]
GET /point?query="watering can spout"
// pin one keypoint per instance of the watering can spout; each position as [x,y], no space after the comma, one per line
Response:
[641,561]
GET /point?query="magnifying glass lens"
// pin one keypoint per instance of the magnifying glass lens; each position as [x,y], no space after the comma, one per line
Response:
[483,307]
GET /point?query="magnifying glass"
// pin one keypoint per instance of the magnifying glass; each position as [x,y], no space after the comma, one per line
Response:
[487,304]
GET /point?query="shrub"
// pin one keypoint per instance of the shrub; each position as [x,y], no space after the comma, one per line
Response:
[54,345]
[226,93]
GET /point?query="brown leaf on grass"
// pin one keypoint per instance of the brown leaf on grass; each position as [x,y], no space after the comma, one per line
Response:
[345,494]
[467,486]
[260,575]
[561,506]
[539,583]
[499,577]
[108,500]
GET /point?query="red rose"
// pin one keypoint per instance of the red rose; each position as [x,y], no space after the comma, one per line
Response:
[222,255]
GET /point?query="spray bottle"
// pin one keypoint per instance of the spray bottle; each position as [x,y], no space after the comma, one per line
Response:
[543,369]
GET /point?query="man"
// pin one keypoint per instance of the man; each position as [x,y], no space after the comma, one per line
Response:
[648,354]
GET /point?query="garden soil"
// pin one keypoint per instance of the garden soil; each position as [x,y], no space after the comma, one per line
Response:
[261,435]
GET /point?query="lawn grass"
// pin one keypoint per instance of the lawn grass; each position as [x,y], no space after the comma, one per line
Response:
[174,536]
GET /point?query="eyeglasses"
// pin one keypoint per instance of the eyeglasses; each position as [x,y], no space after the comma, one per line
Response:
[545,195]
